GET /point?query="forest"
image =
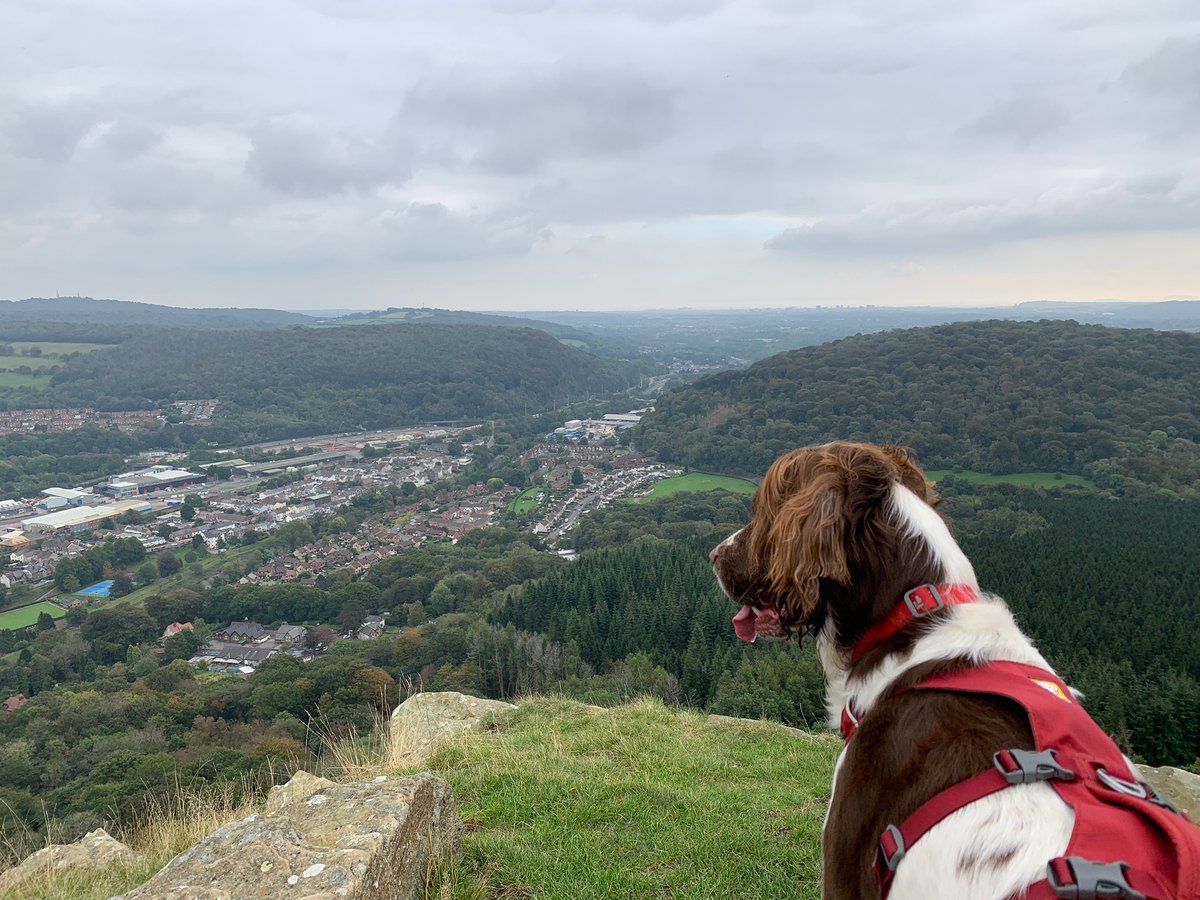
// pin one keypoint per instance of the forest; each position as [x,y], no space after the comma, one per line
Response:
[1101,585]
[1116,406]
[286,383]
[308,381]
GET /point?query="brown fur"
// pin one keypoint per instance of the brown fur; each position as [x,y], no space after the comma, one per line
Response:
[821,547]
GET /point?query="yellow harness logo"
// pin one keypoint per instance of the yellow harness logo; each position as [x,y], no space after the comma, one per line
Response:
[1052,687]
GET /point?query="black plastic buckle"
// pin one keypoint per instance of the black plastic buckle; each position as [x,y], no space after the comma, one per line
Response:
[1155,797]
[917,604]
[892,858]
[1142,790]
[1089,880]
[1029,766]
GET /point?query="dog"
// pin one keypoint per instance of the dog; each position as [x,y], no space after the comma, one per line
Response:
[841,539]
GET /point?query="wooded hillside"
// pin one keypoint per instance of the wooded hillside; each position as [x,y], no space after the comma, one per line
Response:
[1116,405]
[305,381]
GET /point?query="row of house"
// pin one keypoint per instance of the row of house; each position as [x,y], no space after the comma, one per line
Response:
[24,421]
[241,647]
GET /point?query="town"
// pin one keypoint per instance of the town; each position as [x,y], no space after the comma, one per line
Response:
[215,507]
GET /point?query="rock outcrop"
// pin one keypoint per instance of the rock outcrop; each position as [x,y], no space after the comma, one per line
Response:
[374,839]
[1180,787]
[95,849]
[426,721]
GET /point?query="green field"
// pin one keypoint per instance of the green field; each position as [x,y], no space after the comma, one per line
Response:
[20,380]
[61,348]
[28,615]
[699,481]
[1022,479]
[524,502]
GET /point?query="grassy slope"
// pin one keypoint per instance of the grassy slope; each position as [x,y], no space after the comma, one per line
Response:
[699,481]
[1022,479]
[563,801]
[566,801]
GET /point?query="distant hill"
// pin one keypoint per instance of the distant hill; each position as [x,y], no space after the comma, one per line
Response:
[77,310]
[311,380]
[1118,406]
[735,337]
[601,344]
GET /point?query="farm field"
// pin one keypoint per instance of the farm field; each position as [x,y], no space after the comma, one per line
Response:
[1022,479]
[28,615]
[699,481]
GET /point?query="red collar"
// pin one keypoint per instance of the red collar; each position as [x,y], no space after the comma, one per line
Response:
[917,603]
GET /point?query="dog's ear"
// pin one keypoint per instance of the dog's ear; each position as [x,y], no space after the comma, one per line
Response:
[805,540]
[910,473]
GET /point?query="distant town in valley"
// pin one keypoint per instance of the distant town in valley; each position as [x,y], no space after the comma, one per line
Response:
[578,467]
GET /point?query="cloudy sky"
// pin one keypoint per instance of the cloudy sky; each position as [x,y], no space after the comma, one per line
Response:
[593,154]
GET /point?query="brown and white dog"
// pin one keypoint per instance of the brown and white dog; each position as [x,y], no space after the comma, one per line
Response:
[838,535]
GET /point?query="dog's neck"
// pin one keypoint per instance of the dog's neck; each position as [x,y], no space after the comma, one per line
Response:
[978,632]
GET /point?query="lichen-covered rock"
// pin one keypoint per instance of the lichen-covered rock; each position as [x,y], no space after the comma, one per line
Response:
[97,848]
[372,839]
[425,721]
[301,787]
[1180,787]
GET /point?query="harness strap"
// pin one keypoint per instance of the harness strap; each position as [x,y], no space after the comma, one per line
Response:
[895,840]
[1116,818]
[1076,877]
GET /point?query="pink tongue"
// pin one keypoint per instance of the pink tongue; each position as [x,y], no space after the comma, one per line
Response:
[744,625]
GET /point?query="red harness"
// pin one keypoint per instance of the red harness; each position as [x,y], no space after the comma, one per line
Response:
[1128,841]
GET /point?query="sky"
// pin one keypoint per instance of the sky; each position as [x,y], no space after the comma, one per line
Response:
[599,154]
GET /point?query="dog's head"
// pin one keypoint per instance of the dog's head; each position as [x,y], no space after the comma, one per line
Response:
[840,531]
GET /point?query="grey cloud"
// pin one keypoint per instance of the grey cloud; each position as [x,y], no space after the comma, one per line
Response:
[659,12]
[48,133]
[522,7]
[1173,69]
[1021,119]
[516,126]
[308,162]
[129,139]
[943,225]
[430,232]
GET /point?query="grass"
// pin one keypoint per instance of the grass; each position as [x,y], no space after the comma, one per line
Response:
[566,802]
[563,801]
[28,615]
[526,501]
[1022,479]
[209,563]
[699,481]
[165,831]
[21,380]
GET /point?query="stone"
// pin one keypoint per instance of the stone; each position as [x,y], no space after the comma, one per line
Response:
[426,721]
[95,849]
[1180,787]
[372,840]
[301,787]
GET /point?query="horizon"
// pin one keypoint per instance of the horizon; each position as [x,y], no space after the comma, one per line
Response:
[331,312]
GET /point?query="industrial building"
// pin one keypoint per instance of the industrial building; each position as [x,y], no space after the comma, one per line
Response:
[147,481]
[61,498]
[82,518]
